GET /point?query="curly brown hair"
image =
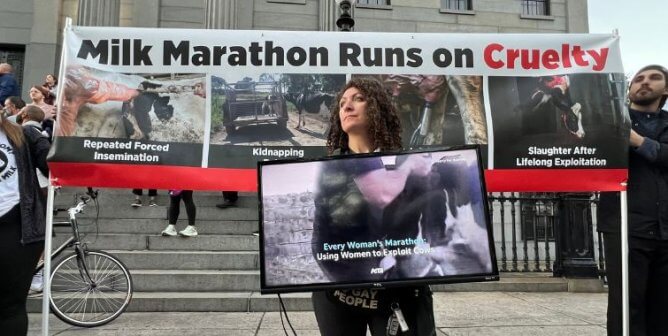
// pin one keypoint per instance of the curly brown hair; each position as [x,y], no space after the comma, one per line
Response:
[384,125]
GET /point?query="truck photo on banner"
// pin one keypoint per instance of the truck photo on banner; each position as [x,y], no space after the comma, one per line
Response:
[197,109]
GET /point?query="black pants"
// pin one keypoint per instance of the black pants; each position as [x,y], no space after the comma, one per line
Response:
[175,205]
[648,285]
[151,192]
[335,319]
[17,262]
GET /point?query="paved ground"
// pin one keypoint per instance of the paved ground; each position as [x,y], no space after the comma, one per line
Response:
[479,314]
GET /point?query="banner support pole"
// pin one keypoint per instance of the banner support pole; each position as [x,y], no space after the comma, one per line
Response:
[48,232]
[625,261]
[46,271]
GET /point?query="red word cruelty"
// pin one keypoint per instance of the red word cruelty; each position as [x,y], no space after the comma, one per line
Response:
[497,56]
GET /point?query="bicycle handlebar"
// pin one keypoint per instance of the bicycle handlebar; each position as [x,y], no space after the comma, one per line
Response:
[83,201]
[92,193]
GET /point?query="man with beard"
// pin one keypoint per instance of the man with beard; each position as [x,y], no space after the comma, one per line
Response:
[647,212]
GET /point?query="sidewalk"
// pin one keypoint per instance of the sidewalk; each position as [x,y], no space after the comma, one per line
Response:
[457,313]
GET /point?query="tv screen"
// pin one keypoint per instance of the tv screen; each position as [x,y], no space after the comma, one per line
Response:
[375,220]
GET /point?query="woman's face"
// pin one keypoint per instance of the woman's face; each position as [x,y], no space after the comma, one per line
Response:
[36,95]
[50,80]
[352,111]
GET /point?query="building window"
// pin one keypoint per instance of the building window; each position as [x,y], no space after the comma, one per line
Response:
[456,5]
[536,7]
[374,2]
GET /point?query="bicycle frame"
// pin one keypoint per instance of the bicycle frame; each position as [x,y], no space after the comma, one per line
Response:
[73,241]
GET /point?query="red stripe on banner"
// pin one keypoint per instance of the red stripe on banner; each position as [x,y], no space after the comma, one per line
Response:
[196,178]
[554,180]
[155,177]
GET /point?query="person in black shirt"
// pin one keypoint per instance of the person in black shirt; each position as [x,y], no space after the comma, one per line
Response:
[647,212]
[352,202]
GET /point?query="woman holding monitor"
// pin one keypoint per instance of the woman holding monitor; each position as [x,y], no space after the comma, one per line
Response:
[367,202]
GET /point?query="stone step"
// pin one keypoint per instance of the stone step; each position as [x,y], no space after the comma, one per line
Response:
[125,196]
[124,200]
[205,243]
[205,302]
[195,280]
[160,212]
[118,241]
[230,280]
[152,226]
[189,260]
[253,301]
[507,285]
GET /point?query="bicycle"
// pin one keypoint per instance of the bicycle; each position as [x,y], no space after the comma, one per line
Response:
[88,287]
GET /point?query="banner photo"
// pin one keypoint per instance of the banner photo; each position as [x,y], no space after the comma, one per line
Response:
[327,224]
[197,109]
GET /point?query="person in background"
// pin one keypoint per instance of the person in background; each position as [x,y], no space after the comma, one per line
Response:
[354,204]
[13,106]
[152,193]
[37,95]
[647,213]
[229,199]
[22,220]
[31,119]
[8,85]
[175,197]
[51,84]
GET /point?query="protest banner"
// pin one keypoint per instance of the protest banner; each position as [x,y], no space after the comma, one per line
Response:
[197,109]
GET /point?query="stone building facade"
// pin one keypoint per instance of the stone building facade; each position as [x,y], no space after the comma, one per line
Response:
[31,30]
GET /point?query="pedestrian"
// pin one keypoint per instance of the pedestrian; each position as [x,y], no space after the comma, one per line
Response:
[647,213]
[175,197]
[37,95]
[365,122]
[31,118]
[8,85]
[152,193]
[51,84]
[13,106]
[229,199]
[22,220]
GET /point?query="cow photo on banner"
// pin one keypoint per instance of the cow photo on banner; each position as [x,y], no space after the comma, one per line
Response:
[559,121]
[132,118]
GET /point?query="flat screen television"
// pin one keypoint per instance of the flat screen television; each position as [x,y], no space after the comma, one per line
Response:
[375,220]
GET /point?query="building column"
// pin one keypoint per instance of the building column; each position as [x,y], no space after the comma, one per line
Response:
[329,12]
[220,14]
[41,52]
[576,16]
[99,13]
[146,13]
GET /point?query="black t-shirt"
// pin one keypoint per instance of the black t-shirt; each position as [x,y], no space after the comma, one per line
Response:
[343,214]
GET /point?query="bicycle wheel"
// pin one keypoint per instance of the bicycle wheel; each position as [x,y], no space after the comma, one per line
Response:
[94,300]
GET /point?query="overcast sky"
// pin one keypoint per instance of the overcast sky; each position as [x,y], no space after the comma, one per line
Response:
[642,26]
